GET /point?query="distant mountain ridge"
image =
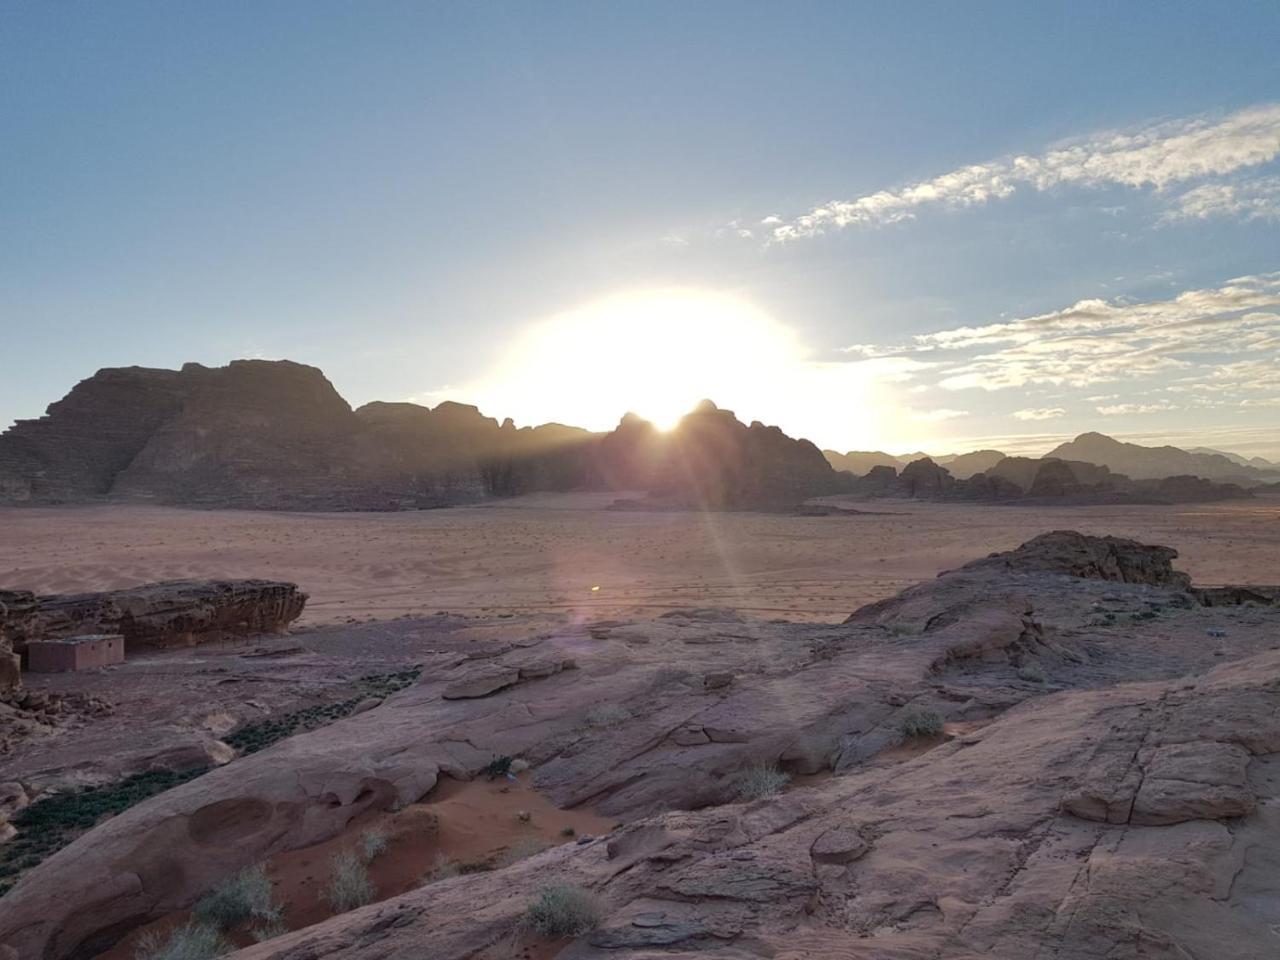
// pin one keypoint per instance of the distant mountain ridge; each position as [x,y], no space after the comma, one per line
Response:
[1152,463]
[1131,459]
[277,435]
[962,465]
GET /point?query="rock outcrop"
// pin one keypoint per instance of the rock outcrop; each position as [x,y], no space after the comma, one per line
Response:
[17,624]
[173,612]
[1091,558]
[711,460]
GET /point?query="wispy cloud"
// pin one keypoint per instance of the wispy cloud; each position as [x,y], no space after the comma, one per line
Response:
[1257,199]
[1039,413]
[1216,348]
[1156,156]
[1100,341]
[1123,409]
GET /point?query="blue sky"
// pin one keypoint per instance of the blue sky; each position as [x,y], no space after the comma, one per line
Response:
[399,193]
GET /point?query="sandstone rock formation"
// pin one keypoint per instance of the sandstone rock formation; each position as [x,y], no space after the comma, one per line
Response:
[1093,558]
[169,613]
[1132,808]
[276,435]
[17,623]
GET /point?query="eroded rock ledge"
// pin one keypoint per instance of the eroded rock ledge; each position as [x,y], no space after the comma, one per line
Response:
[165,614]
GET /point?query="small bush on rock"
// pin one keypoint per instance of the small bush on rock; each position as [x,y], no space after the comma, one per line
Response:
[921,723]
[195,941]
[761,780]
[563,910]
[246,896]
[1031,673]
[350,886]
[373,843]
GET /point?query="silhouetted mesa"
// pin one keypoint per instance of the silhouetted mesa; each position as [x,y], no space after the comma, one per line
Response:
[277,435]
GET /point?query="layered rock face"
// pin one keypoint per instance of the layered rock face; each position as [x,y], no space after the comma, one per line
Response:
[1129,812]
[78,449]
[174,612]
[256,432]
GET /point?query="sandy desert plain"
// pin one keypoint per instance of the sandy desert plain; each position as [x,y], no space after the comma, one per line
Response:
[544,553]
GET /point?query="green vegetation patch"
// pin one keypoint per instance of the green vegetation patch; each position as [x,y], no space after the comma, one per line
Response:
[50,824]
[258,736]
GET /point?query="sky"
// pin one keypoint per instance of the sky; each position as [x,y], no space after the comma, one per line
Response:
[880,226]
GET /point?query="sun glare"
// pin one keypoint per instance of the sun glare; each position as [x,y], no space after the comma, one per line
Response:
[654,353]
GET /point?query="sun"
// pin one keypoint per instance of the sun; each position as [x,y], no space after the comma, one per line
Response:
[655,353]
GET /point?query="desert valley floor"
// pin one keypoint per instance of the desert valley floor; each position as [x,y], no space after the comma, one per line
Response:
[545,552]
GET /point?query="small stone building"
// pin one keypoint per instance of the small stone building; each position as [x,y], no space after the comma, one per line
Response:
[75,653]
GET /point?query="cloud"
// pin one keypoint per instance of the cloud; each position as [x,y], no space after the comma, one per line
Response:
[1215,348]
[936,416]
[1040,413]
[1100,341]
[1156,156]
[1120,409]
[1257,199]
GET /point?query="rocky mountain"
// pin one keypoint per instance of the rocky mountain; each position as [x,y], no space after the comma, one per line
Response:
[965,465]
[711,459]
[277,435]
[1150,463]
[1260,462]
[962,465]
[1047,479]
[860,462]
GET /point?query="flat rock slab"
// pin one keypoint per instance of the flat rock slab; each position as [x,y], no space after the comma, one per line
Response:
[481,681]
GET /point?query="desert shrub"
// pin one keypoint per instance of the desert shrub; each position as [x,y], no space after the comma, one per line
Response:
[442,868]
[496,768]
[568,832]
[269,930]
[1031,673]
[373,843]
[245,896]
[607,715]
[350,886]
[921,723]
[563,910]
[195,941]
[760,780]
